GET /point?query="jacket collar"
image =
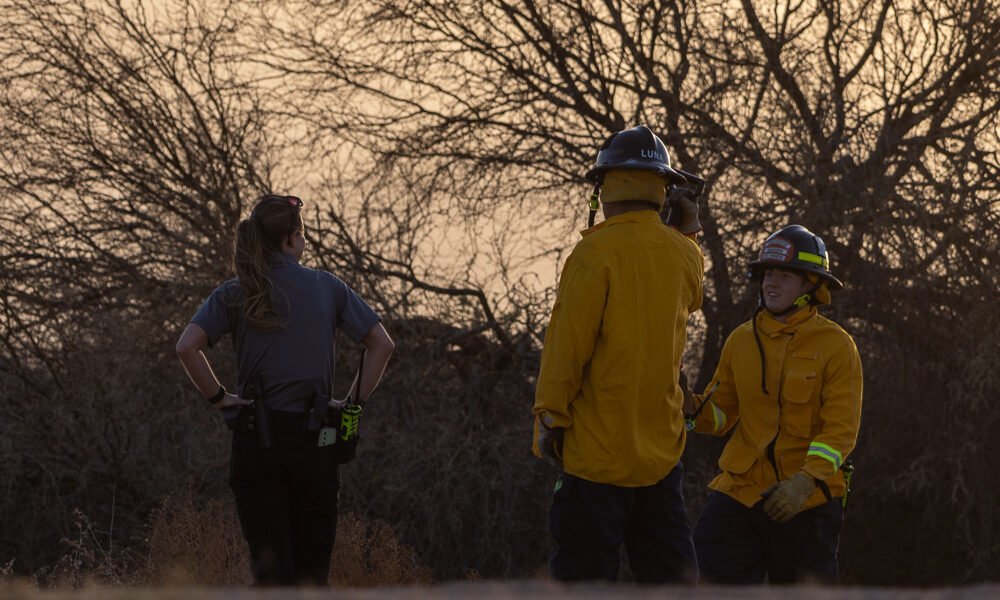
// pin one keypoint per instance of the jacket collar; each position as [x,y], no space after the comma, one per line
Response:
[772,327]
[632,216]
[280,259]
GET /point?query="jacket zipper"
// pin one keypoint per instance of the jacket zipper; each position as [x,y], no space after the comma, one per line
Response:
[774,440]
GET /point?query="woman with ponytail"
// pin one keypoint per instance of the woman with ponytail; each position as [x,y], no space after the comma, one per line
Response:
[283,318]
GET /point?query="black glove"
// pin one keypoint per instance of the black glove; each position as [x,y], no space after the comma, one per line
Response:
[682,206]
[550,442]
[682,381]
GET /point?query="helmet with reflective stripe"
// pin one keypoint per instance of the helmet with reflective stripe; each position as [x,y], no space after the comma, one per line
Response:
[634,149]
[795,248]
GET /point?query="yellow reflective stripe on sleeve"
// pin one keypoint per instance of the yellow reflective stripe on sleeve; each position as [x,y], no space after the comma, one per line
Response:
[718,418]
[823,451]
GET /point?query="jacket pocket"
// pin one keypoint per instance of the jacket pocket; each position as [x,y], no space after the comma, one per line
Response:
[738,455]
[796,405]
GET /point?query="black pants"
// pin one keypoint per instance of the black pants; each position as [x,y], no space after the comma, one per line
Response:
[591,521]
[286,497]
[740,545]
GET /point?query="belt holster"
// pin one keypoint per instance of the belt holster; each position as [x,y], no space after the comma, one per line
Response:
[256,417]
[318,413]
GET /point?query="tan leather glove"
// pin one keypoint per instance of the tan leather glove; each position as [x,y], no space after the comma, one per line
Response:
[785,499]
[682,212]
[550,442]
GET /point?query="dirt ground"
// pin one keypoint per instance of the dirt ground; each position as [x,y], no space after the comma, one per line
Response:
[510,590]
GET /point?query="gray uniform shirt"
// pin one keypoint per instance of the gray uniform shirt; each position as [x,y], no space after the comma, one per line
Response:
[295,362]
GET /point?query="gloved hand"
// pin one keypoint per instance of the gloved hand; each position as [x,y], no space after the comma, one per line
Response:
[683,210]
[682,381]
[550,441]
[785,499]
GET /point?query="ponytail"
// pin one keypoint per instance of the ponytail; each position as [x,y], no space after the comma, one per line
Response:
[255,277]
[273,220]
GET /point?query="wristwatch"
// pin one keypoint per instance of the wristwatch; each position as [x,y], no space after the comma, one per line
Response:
[218,395]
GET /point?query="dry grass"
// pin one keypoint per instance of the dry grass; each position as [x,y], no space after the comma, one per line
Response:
[195,543]
[196,552]
[200,544]
[369,554]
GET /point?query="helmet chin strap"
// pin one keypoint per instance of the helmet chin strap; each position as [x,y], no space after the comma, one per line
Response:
[760,346]
[594,203]
[800,302]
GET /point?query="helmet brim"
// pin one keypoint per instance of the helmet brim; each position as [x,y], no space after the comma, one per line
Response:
[757,267]
[673,177]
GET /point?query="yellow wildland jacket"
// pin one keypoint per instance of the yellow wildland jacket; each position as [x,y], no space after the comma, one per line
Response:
[613,347]
[809,419]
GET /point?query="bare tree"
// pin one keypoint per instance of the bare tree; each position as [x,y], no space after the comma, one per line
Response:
[873,123]
[441,146]
[130,142]
[129,152]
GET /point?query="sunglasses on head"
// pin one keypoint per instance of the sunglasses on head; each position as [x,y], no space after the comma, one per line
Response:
[294,201]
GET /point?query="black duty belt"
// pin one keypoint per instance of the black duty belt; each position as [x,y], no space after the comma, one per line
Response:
[278,421]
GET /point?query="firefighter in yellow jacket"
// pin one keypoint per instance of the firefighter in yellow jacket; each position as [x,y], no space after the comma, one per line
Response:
[608,407]
[788,386]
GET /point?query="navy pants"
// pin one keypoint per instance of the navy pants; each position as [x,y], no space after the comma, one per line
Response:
[591,521]
[740,545]
[286,497]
